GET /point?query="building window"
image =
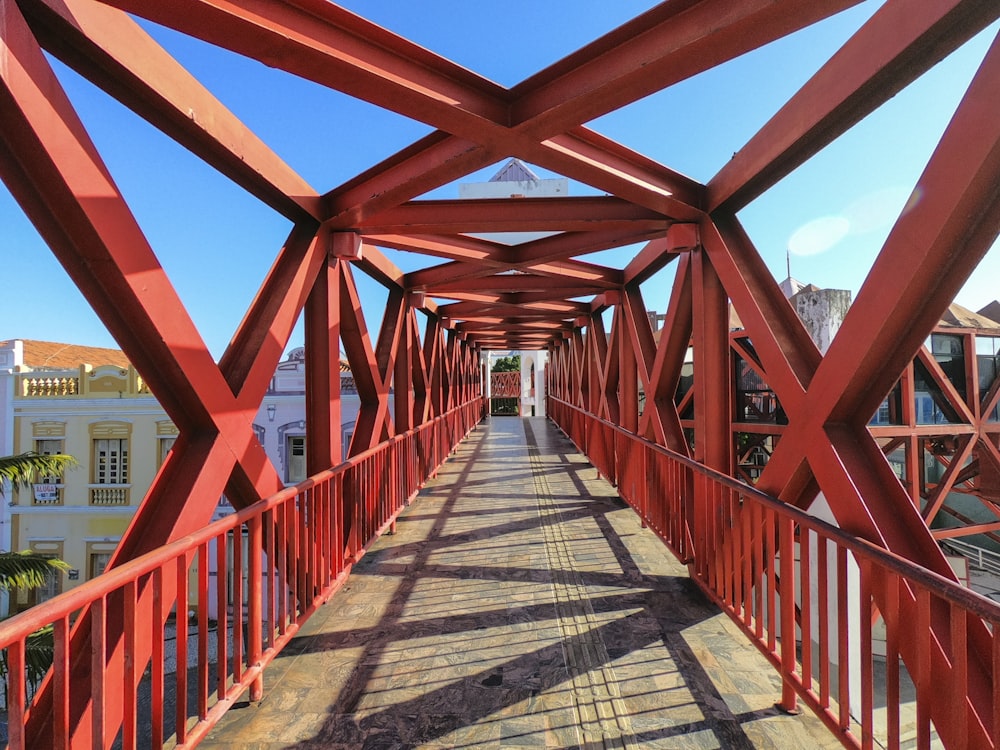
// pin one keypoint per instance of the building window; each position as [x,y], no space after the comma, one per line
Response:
[97,563]
[98,556]
[53,586]
[165,444]
[348,435]
[51,589]
[111,461]
[49,447]
[949,351]
[295,465]
[47,490]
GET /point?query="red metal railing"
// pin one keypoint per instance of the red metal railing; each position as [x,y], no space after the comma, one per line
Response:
[777,570]
[244,586]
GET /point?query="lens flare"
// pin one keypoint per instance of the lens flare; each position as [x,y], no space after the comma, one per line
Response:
[819,235]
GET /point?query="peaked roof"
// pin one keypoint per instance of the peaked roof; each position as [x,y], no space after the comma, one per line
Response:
[957,316]
[991,311]
[52,355]
[514,171]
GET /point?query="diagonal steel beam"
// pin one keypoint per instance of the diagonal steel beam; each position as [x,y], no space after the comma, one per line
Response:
[111,50]
[668,44]
[893,48]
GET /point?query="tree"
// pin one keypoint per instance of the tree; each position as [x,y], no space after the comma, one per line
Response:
[28,569]
[20,470]
[508,364]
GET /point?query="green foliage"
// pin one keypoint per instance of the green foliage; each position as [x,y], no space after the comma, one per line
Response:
[20,470]
[508,364]
[38,650]
[27,569]
[30,570]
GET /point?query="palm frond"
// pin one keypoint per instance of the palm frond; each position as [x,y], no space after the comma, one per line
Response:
[39,648]
[27,569]
[20,470]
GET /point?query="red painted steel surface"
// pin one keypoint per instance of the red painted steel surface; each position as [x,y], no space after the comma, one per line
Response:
[505,385]
[812,410]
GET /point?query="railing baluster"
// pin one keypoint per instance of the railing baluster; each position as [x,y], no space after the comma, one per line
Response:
[221,614]
[60,683]
[960,672]
[157,665]
[203,663]
[281,560]
[16,694]
[270,585]
[181,649]
[238,614]
[925,677]
[130,693]
[770,523]
[787,594]
[749,554]
[823,584]
[98,646]
[805,599]
[758,570]
[994,625]
[843,641]
[865,611]
[892,695]
[255,613]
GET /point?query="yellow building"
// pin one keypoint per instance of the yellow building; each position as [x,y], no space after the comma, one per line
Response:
[108,420]
[105,417]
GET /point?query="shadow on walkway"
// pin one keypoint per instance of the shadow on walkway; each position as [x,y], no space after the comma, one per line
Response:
[519,604]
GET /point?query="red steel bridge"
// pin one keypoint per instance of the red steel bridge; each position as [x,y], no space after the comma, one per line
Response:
[775,569]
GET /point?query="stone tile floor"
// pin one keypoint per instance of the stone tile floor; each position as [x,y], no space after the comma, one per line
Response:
[518,605]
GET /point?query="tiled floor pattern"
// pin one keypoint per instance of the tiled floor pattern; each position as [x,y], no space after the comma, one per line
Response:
[519,605]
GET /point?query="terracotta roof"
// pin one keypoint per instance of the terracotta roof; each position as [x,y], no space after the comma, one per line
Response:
[991,311]
[55,356]
[960,317]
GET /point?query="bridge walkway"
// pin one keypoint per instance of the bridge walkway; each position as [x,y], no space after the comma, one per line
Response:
[518,605]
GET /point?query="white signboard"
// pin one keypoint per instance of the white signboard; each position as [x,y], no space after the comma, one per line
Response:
[46,493]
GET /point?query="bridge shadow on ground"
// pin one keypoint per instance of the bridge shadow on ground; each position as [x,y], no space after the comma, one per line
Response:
[519,604]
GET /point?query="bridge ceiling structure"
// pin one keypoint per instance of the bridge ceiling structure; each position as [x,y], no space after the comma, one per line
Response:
[540,293]
[536,294]
[478,293]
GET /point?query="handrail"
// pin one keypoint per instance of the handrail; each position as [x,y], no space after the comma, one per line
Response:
[977,603]
[775,570]
[302,530]
[979,557]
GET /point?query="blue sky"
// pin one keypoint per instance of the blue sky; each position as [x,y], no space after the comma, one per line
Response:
[217,242]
